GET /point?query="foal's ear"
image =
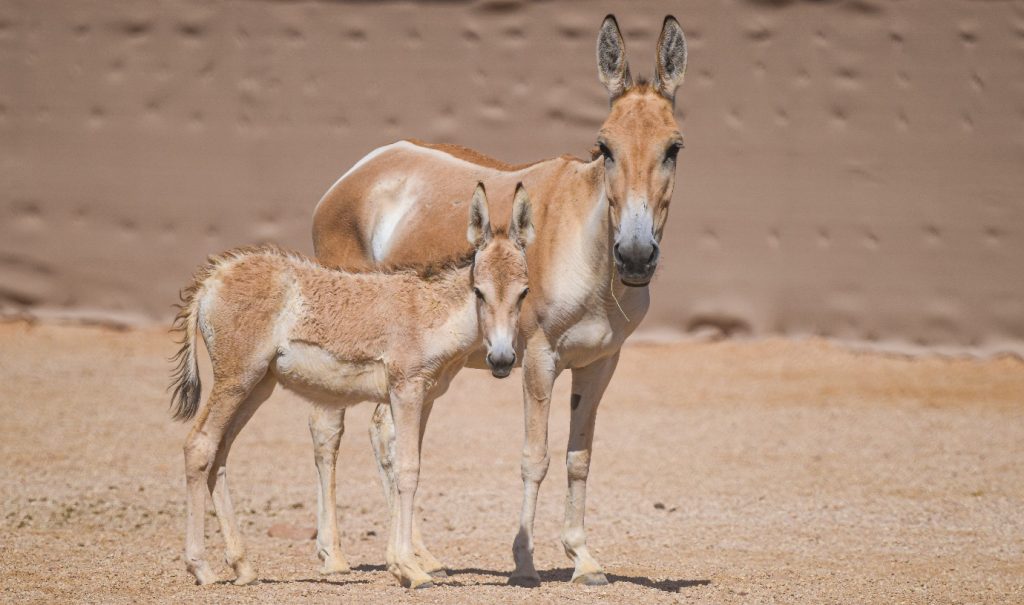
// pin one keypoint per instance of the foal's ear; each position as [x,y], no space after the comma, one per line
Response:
[479,231]
[520,228]
[612,68]
[671,63]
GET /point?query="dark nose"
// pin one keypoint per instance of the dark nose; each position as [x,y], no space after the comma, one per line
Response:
[636,259]
[501,363]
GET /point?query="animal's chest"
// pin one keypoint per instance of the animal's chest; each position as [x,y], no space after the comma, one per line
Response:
[600,329]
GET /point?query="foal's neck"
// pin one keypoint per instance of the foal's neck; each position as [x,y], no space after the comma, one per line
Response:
[447,294]
[450,319]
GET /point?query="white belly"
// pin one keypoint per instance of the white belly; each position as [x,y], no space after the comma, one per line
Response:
[317,375]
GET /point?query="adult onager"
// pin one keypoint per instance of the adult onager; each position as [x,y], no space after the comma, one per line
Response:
[599,225]
[337,338]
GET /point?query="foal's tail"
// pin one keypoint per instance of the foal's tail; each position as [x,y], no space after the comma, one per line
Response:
[185,379]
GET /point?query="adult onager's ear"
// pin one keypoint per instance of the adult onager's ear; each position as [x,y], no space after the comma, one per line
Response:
[612,67]
[671,62]
[479,231]
[520,228]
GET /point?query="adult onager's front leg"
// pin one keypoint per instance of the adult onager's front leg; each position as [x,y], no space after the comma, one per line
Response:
[327,425]
[539,373]
[407,410]
[588,386]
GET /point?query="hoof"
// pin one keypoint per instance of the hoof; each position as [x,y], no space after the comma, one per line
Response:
[524,581]
[415,580]
[204,575]
[245,574]
[245,580]
[591,579]
[438,574]
[417,584]
[335,568]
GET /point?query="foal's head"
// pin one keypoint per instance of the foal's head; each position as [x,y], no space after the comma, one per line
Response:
[499,275]
[639,142]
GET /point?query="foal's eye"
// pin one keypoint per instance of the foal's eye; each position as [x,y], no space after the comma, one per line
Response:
[607,153]
[479,294]
[672,152]
[523,294]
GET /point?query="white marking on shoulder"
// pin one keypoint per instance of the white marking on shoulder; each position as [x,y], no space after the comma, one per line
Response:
[362,162]
[396,197]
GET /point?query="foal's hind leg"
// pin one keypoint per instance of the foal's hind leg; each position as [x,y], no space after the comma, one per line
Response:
[326,425]
[382,438]
[201,447]
[234,548]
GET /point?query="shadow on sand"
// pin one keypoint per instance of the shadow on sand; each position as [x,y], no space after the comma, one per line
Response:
[565,575]
[313,581]
[562,575]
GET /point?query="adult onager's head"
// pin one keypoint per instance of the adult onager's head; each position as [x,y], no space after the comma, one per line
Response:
[499,275]
[639,143]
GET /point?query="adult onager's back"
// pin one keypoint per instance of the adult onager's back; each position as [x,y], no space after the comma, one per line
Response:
[599,226]
[337,338]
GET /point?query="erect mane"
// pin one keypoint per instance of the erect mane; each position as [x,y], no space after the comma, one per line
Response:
[480,159]
[427,270]
[424,270]
[640,86]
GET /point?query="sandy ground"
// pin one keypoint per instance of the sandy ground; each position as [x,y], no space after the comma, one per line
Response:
[773,471]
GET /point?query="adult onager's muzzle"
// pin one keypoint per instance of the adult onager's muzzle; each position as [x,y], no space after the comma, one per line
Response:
[500,359]
[636,250]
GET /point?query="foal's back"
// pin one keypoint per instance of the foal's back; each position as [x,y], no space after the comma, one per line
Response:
[328,334]
[264,297]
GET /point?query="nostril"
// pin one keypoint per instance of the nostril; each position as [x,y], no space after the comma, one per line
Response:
[488,359]
[655,252]
[513,358]
[616,253]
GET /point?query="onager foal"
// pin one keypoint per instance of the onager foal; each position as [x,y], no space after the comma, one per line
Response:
[337,338]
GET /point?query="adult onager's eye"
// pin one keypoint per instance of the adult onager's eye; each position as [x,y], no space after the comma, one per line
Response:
[607,153]
[523,294]
[479,294]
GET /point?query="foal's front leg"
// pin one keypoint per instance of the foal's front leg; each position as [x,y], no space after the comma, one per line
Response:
[382,438]
[327,425]
[407,402]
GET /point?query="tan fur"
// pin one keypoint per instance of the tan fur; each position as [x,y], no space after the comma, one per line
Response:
[598,227]
[337,338]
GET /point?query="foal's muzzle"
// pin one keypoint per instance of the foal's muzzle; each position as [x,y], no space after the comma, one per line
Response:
[636,260]
[501,362]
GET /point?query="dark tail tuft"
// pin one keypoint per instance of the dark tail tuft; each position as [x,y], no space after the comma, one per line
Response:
[185,384]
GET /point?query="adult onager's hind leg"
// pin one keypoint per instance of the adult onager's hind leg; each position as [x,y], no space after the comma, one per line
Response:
[327,425]
[588,386]
[382,438]
[539,373]
[216,425]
